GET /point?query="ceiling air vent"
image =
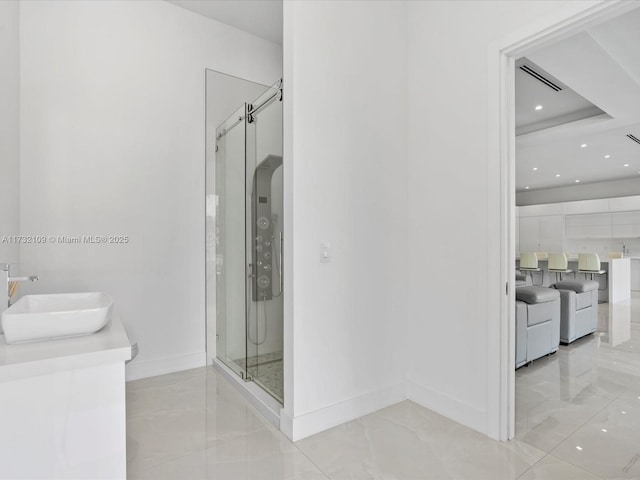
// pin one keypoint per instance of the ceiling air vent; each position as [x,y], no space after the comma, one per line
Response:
[540,78]
[634,138]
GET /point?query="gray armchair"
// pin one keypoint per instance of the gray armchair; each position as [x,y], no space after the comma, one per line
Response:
[537,323]
[579,308]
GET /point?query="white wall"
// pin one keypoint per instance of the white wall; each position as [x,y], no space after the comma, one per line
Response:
[9,129]
[113,142]
[454,282]
[345,183]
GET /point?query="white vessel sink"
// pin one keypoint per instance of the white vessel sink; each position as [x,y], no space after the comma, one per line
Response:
[44,317]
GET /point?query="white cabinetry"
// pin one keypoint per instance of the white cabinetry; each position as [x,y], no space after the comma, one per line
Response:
[541,234]
[550,233]
[586,206]
[63,406]
[544,228]
[625,224]
[528,234]
[597,225]
[635,274]
[622,204]
[540,210]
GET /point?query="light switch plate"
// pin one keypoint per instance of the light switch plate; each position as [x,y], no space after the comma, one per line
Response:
[325,252]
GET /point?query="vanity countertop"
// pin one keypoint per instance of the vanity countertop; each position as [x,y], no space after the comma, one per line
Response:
[108,345]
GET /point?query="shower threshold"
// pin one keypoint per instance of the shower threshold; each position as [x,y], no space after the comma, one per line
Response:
[268,406]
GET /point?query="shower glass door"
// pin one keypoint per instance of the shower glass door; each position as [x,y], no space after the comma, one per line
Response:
[230,232]
[249,241]
[264,245]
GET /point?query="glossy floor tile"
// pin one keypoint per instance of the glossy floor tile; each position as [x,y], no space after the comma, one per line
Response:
[607,445]
[581,406]
[577,417]
[195,425]
[552,468]
[406,441]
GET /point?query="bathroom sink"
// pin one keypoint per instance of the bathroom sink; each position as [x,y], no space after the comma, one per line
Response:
[44,317]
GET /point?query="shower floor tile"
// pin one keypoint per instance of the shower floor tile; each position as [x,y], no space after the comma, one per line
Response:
[267,371]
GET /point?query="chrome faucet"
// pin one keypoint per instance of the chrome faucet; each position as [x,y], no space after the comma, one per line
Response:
[5,282]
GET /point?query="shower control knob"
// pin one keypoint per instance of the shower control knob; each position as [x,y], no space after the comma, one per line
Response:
[263,281]
[267,267]
[258,248]
[267,243]
[267,255]
[259,238]
[263,223]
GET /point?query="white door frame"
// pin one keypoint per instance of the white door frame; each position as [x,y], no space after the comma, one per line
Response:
[566,21]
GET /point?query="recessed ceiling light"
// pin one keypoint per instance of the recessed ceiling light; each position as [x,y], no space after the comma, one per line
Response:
[583,145]
[557,174]
[526,188]
[577,181]
[538,107]
[626,165]
[535,169]
[578,447]
[604,430]
[607,156]
[623,412]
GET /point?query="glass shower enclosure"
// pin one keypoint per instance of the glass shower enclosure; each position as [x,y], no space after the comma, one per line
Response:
[249,241]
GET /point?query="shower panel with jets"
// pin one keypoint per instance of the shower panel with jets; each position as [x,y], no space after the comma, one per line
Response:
[249,241]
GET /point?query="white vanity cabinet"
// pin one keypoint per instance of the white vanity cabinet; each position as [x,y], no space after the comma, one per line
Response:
[62,406]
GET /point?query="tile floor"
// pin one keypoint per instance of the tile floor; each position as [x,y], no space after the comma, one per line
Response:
[577,417]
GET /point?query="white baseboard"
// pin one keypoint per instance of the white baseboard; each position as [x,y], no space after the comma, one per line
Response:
[319,420]
[463,413]
[138,368]
[286,425]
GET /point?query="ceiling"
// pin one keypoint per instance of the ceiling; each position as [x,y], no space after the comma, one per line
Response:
[598,105]
[262,18]
[539,103]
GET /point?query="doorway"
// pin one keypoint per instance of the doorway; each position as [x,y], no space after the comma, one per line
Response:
[509,55]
